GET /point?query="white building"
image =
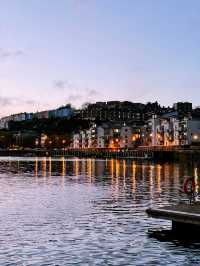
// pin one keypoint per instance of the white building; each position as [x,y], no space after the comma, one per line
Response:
[83,140]
[4,121]
[105,136]
[43,139]
[171,130]
[77,141]
[126,137]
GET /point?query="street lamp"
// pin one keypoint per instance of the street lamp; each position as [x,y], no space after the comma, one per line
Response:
[36,143]
[195,137]
[63,143]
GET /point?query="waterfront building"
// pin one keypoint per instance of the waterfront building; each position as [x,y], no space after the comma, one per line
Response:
[89,136]
[92,135]
[62,112]
[18,117]
[174,130]
[108,135]
[28,116]
[102,138]
[163,131]
[119,112]
[83,139]
[183,107]
[121,137]
[77,141]
[146,134]
[42,115]
[191,130]
[4,121]
[43,140]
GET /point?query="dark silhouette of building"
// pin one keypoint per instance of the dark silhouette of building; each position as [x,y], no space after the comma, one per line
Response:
[121,111]
[183,107]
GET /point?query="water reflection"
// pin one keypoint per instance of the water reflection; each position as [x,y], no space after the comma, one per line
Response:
[50,167]
[36,167]
[44,167]
[88,211]
[120,174]
[148,173]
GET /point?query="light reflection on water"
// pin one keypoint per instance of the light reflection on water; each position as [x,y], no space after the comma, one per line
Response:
[88,212]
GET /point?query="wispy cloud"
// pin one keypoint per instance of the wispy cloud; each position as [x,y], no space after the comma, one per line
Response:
[64,85]
[5,54]
[59,84]
[75,94]
[92,92]
[12,105]
[88,95]
[8,101]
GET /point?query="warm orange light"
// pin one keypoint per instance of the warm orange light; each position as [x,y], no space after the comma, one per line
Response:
[195,137]
[63,166]
[135,137]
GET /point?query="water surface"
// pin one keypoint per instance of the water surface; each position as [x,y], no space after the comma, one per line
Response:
[88,212]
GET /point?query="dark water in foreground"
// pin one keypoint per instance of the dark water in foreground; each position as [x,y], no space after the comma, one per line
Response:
[88,212]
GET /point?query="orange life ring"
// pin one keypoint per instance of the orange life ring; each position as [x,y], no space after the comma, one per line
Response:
[189,186]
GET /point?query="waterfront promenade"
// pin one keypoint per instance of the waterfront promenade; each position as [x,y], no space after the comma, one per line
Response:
[80,153]
[143,153]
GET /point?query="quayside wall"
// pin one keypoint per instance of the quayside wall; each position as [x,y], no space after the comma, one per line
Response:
[143,154]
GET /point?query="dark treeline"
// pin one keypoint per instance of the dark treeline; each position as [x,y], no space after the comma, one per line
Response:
[50,126]
[26,133]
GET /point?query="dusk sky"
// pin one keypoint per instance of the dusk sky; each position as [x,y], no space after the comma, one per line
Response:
[57,51]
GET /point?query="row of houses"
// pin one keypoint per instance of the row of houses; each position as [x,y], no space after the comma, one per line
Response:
[62,112]
[119,111]
[4,121]
[171,129]
[107,135]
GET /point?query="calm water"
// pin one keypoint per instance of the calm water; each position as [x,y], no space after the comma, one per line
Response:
[88,212]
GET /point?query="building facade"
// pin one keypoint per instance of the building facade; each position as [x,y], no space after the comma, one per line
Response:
[174,131]
[107,135]
[4,121]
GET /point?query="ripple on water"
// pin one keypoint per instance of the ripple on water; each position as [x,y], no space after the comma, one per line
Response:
[87,212]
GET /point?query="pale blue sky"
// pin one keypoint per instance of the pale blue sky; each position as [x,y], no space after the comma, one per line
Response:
[58,51]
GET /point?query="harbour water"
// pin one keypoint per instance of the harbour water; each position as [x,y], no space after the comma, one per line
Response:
[88,212]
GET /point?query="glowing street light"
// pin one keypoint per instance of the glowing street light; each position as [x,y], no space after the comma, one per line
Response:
[195,137]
